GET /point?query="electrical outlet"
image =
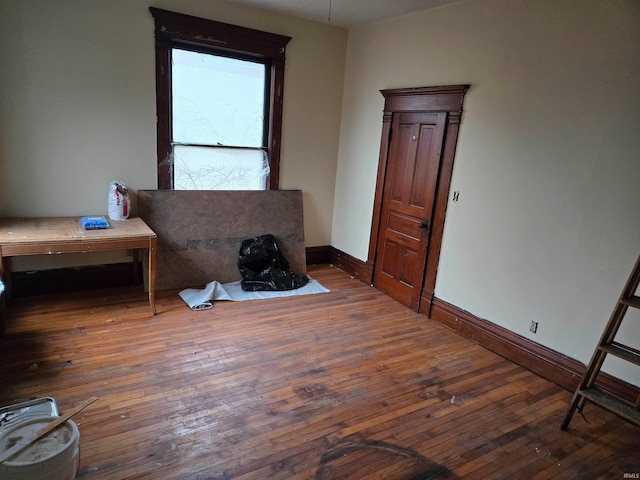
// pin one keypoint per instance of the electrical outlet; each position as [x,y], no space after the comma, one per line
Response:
[456,196]
[534,327]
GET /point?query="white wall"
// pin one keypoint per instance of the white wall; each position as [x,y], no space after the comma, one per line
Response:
[548,162]
[77,106]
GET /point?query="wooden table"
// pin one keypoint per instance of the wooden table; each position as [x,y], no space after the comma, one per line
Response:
[56,235]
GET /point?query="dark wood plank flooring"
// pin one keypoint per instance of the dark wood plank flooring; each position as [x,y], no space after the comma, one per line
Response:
[342,385]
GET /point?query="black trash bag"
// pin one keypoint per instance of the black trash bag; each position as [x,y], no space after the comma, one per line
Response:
[264,268]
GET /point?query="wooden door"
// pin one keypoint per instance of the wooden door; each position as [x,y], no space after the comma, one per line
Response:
[411,178]
[412,190]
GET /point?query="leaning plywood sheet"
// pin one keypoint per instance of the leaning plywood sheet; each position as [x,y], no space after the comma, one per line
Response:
[200,232]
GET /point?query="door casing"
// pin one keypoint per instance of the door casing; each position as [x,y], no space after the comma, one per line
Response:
[447,99]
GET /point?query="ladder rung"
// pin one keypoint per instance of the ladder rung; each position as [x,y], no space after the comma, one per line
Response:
[622,351]
[611,404]
[632,301]
[628,298]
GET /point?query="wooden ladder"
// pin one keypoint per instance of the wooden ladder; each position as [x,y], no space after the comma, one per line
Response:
[588,390]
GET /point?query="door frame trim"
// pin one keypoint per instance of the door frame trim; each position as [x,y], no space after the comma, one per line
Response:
[437,99]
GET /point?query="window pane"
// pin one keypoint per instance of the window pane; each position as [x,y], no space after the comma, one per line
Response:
[202,168]
[217,100]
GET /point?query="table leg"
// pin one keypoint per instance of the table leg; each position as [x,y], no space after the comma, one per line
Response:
[153,243]
[3,315]
[136,266]
[3,296]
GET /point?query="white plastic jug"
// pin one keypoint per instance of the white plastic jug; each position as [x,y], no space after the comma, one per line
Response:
[119,203]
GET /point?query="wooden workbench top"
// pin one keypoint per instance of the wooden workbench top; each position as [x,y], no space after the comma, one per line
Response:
[61,229]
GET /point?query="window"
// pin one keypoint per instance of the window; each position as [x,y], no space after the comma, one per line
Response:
[219,123]
[219,104]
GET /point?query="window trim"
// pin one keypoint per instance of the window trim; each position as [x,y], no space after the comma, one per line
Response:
[180,30]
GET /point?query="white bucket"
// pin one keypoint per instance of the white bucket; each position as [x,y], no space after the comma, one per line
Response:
[54,456]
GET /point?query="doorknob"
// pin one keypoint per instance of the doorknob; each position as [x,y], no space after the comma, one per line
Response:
[424,226]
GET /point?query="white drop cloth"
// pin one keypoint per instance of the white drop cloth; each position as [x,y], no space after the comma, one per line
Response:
[202,299]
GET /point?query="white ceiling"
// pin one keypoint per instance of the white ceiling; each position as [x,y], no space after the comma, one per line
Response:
[346,13]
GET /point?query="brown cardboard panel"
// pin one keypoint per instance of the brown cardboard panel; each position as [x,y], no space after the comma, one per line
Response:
[200,232]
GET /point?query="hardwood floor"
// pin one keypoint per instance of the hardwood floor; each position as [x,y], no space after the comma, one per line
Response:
[342,385]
